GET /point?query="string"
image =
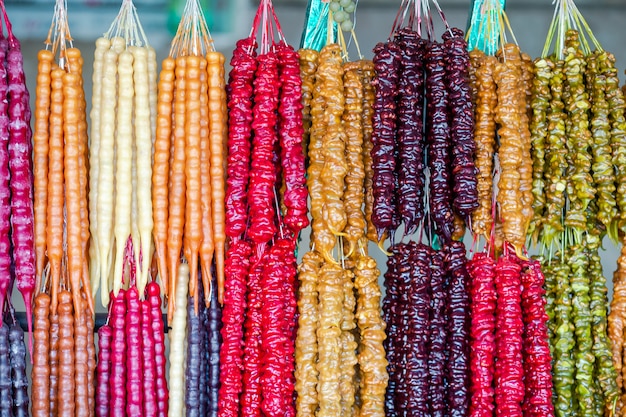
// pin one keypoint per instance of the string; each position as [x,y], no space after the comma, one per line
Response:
[266,21]
[59,34]
[192,36]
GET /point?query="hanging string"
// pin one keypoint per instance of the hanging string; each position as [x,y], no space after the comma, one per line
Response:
[192,36]
[127,26]
[59,37]
[490,28]
[271,31]
[567,16]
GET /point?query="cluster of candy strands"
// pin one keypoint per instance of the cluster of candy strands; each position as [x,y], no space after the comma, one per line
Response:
[416,74]
[266,208]
[188,176]
[17,253]
[340,329]
[426,306]
[577,151]
[501,80]
[122,132]
[130,375]
[64,351]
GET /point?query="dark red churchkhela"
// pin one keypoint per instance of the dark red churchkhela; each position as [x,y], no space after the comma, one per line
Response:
[387,59]
[438,336]
[391,308]
[404,276]
[438,139]
[427,313]
[458,329]
[418,330]
[410,137]
[465,192]
[266,209]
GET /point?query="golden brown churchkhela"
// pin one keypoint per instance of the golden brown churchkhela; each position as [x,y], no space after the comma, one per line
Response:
[334,140]
[341,369]
[355,176]
[511,105]
[485,137]
[369,93]
[306,343]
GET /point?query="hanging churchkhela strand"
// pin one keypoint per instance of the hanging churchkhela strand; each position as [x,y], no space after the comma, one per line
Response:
[340,359]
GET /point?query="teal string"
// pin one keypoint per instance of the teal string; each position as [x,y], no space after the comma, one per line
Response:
[436,244]
[478,37]
[315,30]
